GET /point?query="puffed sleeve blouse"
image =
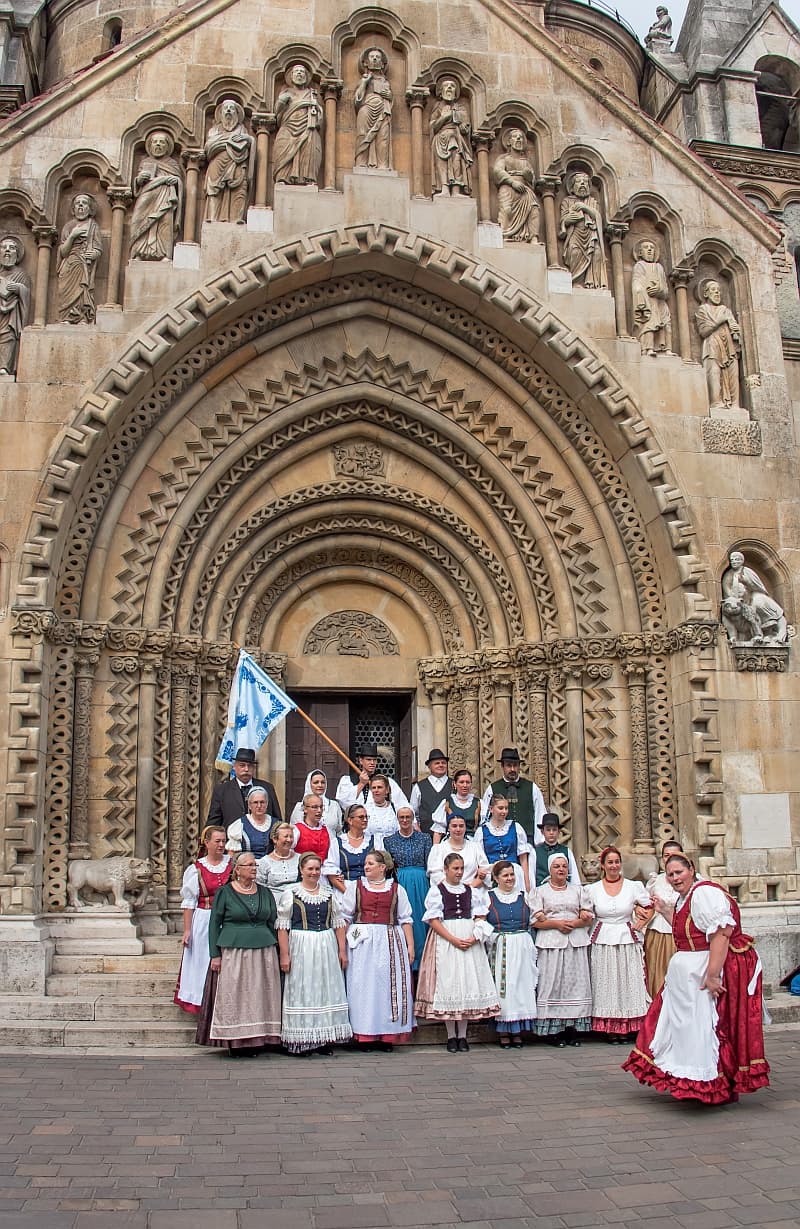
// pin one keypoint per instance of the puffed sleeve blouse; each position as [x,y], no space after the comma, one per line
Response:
[614,913]
[348,900]
[710,909]
[566,904]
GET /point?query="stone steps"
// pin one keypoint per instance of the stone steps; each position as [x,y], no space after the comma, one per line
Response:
[784,1008]
[124,985]
[97,963]
[103,1034]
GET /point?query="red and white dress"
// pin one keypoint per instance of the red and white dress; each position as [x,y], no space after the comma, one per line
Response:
[201,882]
[693,1046]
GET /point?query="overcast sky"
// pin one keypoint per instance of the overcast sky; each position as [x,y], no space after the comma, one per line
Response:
[641,13]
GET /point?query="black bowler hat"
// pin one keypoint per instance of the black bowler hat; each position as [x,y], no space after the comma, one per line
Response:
[509,753]
[244,755]
[368,751]
[550,820]
[437,754]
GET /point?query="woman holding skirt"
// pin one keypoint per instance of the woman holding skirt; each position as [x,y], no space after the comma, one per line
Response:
[702,1039]
[455,982]
[561,913]
[380,942]
[409,851]
[313,955]
[512,956]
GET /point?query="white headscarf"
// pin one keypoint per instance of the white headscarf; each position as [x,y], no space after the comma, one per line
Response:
[331,811]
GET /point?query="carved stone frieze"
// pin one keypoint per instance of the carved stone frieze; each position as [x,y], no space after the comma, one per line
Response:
[351,633]
[768,659]
[737,438]
[359,459]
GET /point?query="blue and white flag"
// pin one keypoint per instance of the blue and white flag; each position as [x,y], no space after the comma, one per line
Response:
[257,705]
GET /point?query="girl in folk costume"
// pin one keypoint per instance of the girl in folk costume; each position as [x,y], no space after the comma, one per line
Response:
[409,850]
[619,994]
[501,838]
[512,956]
[313,955]
[347,855]
[380,941]
[463,803]
[381,810]
[702,1038]
[455,982]
[201,881]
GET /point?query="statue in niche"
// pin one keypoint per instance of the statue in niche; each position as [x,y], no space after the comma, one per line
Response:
[722,345]
[582,232]
[652,319]
[659,36]
[749,615]
[297,153]
[513,172]
[373,104]
[158,188]
[79,251]
[451,151]
[15,301]
[227,149]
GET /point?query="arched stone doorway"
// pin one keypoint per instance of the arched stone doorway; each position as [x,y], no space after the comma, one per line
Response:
[368,422]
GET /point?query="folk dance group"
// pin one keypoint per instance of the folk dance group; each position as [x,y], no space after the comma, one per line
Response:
[367,912]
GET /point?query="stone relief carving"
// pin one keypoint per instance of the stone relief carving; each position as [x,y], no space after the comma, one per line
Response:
[749,615]
[722,346]
[158,189]
[228,148]
[359,460]
[79,251]
[297,154]
[15,302]
[652,319]
[659,36]
[581,230]
[351,633]
[513,173]
[373,104]
[108,877]
[451,149]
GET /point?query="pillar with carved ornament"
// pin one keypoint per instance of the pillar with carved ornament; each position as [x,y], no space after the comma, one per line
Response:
[573,685]
[416,98]
[536,682]
[264,124]
[680,277]
[482,140]
[119,199]
[547,187]
[193,160]
[85,663]
[45,237]
[331,91]
[636,676]
[615,233]
[503,688]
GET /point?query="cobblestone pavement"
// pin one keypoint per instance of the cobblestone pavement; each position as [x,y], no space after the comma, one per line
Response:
[545,1138]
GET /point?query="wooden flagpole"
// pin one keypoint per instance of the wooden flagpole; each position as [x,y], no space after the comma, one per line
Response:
[328,740]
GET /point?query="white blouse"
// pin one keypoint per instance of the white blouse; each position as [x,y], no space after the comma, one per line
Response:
[332,865]
[658,885]
[434,905]
[286,904]
[382,820]
[234,844]
[190,884]
[711,909]
[405,913]
[565,903]
[472,853]
[276,873]
[439,817]
[614,913]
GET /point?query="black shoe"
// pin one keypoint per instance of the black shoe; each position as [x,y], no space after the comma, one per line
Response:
[557,1042]
[573,1041]
[325,1050]
[463,1045]
[505,1041]
[452,1045]
[516,1043]
[385,1047]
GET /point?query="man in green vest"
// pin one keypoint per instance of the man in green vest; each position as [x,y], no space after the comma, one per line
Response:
[550,828]
[525,800]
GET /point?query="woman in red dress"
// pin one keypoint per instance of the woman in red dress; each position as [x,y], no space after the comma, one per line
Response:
[702,1038]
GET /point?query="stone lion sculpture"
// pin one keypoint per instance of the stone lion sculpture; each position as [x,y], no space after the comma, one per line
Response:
[109,877]
[634,866]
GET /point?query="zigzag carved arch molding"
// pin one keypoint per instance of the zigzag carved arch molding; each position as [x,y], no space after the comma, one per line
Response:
[164,364]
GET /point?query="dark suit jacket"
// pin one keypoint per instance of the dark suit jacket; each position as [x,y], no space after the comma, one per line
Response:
[228,805]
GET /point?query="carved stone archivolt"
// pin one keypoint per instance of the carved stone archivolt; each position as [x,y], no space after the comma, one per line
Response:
[351,633]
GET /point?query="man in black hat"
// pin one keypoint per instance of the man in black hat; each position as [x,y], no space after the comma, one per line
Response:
[430,792]
[354,787]
[525,800]
[229,799]
[550,828]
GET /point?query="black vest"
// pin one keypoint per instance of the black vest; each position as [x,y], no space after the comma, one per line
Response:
[430,799]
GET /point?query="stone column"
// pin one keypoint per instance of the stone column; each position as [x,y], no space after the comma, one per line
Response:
[439,698]
[193,160]
[263,124]
[145,755]
[537,720]
[577,761]
[85,662]
[482,140]
[680,277]
[45,237]
[119,199]
[209,735]
[503,688]
[416,98]
[176,835]
[547,187]
[636,675]
[331,90]
[616,232]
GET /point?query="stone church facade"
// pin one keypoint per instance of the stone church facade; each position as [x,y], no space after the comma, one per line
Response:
[383,342]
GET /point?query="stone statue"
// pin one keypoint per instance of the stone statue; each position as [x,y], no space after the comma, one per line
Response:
[158,188]
[659,36]
[80,249]
[582,232]
[108,877]
[722,346]
[652,319]
[297,153]
[451,151]
[227,149]
[749,614]
[373,104]
[15,302]
[513,172]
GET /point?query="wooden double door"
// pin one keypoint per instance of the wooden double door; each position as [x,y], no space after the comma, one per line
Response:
[350,719]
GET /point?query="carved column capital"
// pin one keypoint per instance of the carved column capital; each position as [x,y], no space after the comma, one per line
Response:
[616,231]
[417,96]
[264,122]
[193,159]
[331,87]
[45,236]
[635,672]
[482,138]
[548,185]
[682,275]
[119,197]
